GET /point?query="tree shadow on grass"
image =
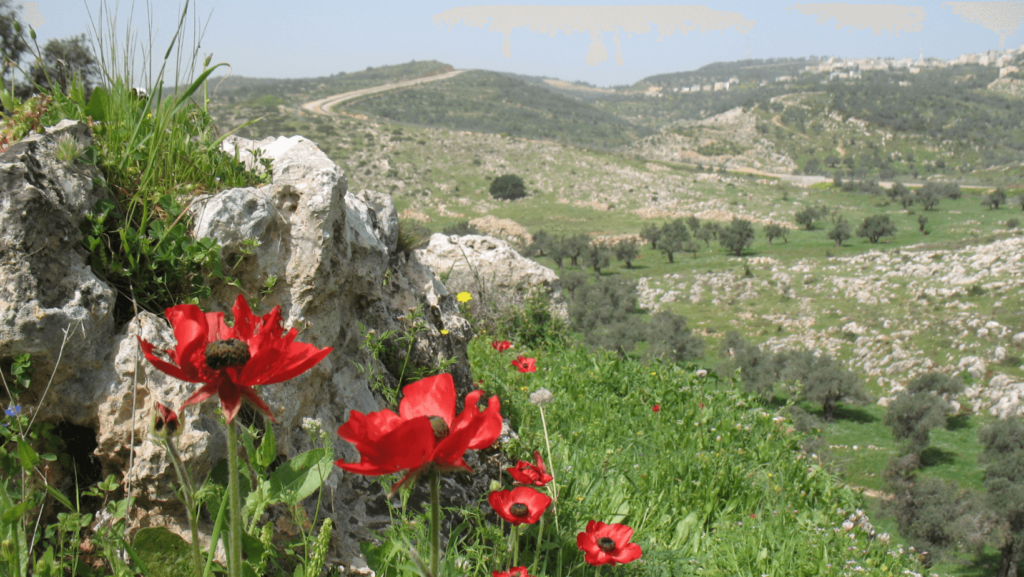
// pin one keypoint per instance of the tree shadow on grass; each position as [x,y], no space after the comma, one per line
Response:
[958,422]
[933,456]
[848,413]
[982,565]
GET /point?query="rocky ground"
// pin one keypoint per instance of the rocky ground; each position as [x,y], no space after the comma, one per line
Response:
[890,315]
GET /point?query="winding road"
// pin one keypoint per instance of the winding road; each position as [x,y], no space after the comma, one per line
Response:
[324,105]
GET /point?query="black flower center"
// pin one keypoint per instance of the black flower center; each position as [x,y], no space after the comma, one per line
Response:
[519,510]
[440,427]
[227,353]
[606,544]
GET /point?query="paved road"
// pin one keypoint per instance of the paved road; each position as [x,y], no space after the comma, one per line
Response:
[323,105]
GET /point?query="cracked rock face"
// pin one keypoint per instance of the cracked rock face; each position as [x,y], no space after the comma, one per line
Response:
[334,255]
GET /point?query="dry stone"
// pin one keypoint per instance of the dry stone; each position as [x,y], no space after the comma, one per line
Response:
[334,255]
[491,270]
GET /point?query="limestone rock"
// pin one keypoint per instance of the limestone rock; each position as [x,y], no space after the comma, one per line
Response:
[334,256]
[490,269]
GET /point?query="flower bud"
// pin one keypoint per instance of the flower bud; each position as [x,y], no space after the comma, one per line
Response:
[165,423]
[7,549]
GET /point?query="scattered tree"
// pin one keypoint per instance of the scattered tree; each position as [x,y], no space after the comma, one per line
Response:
[651,233]
[738,236]
[63,60]
[920,408]
[875,227]
[806,218]
[929,199]
[12,44]
[598,258]
[897,191]
[673,237]
[922,220]
[604,312]
[692,246]
[823,380]
[758,372]
[1003,453]
[575,246]
[694,223]
[994,199]
[840,232]
[627,251]
[706,234]
[508,187]
[774,231]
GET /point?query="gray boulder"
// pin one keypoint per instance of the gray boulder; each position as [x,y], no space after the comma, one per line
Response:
[334,255]
[491,270]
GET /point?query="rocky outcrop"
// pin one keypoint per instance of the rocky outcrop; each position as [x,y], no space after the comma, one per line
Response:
[491,270]
[334,255]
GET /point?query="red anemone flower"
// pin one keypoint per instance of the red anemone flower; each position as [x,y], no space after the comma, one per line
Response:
[501,346]
[513,572]
[520,505]
[656,408]
[607,544]
[530,474]
[425,432]
[524,364]
[232,360]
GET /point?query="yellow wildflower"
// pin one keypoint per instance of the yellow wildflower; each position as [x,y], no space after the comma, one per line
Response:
[444,331]
[464,297]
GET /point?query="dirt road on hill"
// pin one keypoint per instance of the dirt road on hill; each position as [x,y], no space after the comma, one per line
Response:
[323,105]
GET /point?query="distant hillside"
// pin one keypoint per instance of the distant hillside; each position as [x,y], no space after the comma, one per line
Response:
[482,101]
[744,70]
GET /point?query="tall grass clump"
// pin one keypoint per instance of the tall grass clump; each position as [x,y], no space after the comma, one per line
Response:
[158,150]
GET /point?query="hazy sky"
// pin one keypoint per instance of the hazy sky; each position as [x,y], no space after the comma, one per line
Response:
[604,43]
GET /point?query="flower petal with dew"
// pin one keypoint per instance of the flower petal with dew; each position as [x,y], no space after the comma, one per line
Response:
[520,505]
[232,360]
[512,572]
[426,432]
[530,474]
[463,297]
[524,364]
[607,544]
[501,346]
[165,422]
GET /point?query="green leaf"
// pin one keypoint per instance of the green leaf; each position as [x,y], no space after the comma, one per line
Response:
[299,477]
[27,456]
[15,513]
[268,449]
[164,553]
[60,497]
[97,107]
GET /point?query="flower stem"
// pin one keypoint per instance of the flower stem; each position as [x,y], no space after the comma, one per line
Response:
[540,540]
[189,493]
[235,545]
[551,470]
[515,545]
[435,521]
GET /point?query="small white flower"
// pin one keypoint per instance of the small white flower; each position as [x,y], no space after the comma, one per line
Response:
[541,397]
[847,525]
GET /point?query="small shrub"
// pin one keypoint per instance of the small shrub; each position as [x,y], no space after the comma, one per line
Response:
[461,228]
[411,236]
[1012,224]
[508,187]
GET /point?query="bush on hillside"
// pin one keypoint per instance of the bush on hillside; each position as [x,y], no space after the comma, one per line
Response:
[737,236]
[508,187]
[461,228]
[669,338]
[604,313]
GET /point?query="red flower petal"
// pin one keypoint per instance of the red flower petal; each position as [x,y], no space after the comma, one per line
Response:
[430,397]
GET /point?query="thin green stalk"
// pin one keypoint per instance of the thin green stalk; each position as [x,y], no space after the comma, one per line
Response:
[551,470]
[189,491]
[218,525]
[235,545]
[515,545]
[435,521]
[540,540]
